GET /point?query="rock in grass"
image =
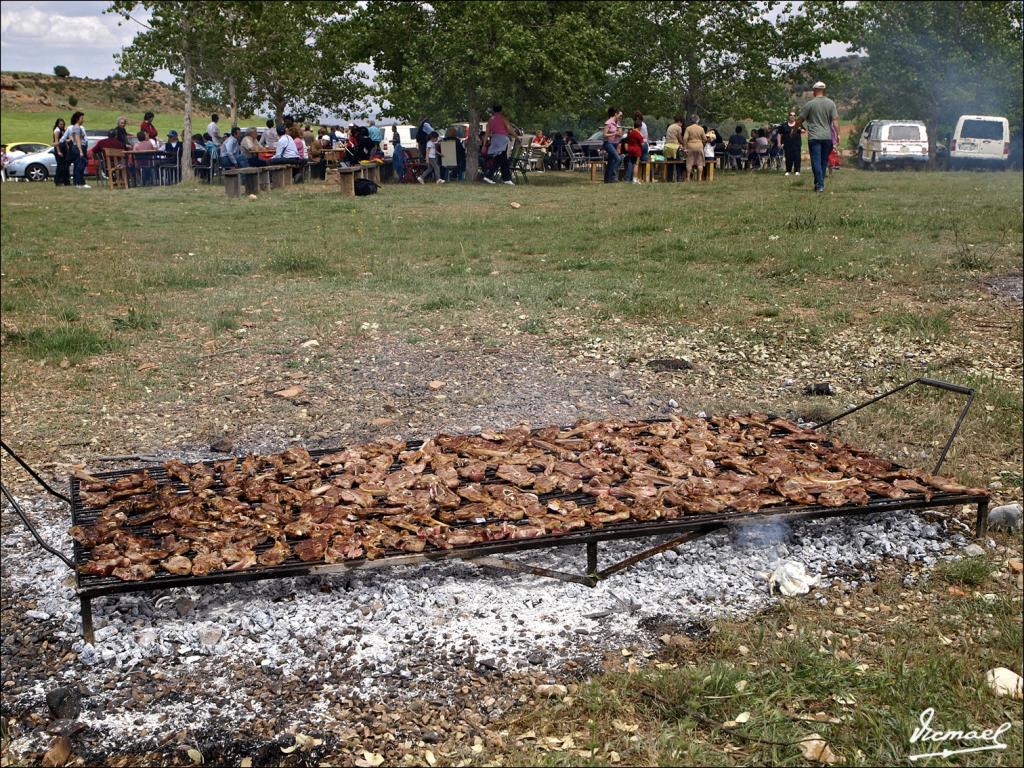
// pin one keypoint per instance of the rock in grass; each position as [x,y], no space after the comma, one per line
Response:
[1005,682]
[973,550]
[1005,518]
[670,364]
[822,389]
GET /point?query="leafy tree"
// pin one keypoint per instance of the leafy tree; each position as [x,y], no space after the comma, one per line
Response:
[718,59]
[450,59]
[61,71]
[179,36]
[285,54]
[935,61]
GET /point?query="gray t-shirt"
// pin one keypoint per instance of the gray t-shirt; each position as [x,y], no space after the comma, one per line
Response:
[818,114]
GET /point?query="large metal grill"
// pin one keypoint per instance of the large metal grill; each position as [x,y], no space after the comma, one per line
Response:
[684,528]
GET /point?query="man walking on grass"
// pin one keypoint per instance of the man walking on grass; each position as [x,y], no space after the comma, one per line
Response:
[820,116]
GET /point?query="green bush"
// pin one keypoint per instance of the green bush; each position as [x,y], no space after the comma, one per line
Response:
[61,71]
[73,100]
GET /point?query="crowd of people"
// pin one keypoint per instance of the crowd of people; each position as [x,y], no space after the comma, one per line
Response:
[688,147]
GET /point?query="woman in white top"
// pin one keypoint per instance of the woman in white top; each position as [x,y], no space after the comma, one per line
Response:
[75,138]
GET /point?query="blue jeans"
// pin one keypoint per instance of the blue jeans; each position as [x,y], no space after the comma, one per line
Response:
[645,152]
[612,160]
[78,163]
[820,149]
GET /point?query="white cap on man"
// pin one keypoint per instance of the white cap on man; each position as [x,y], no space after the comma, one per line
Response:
[818,86]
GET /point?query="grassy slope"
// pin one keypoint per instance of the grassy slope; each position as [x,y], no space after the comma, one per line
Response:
[29,119]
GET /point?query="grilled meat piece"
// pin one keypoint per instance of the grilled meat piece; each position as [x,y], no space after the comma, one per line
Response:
[308,550]
[136,572]
[206,562]
[179,565]
[516,474]
[276,555]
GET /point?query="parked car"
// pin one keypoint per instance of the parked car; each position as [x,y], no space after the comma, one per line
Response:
[22,148]
[980,140]
[407,133]
[592,146]
[892,142]
[39,166]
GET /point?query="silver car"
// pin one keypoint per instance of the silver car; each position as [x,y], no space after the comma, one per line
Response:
[39,166]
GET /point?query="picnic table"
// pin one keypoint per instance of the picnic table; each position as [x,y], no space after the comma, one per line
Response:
[152,167]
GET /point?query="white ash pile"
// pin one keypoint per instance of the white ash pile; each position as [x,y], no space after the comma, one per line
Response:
[410,630]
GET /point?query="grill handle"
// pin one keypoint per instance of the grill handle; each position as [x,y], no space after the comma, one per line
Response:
[943,385]
[32,529]
[33,474]
[21,513]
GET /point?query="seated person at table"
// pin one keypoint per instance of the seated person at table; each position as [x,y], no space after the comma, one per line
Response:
[300,145]
[231,155]
[269,138]
[251,148]
[111,142]
[539,139]
[145,164]
[317,158]
[143,143]
[211,147]
[737,147]
[286,153]
[557,156]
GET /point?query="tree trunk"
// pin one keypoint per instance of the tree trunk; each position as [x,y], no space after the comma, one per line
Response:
[233,98]
[472,136]
[186,140]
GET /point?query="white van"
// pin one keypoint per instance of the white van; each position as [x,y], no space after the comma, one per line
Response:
[407,133]
[892,142]
[980,140]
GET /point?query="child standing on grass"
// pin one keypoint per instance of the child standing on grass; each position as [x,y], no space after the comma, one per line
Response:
[433,166]
[634,150]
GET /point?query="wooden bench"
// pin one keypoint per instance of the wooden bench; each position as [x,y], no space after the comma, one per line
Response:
[371,172]
[280,175]
[707,175]
[344,177]
[237,178]
[645,169]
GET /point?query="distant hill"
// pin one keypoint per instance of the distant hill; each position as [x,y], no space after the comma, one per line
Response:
[36,92]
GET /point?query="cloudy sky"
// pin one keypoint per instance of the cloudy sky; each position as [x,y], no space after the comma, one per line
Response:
[36,36]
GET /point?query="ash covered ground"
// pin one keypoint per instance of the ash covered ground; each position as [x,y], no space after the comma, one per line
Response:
[348,657]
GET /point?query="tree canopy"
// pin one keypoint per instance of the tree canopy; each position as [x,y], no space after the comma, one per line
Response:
[451,59]
[934,61]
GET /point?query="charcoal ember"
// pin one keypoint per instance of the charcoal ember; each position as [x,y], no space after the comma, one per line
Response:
[64,703]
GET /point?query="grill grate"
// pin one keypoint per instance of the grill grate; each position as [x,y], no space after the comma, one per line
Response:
[94,585]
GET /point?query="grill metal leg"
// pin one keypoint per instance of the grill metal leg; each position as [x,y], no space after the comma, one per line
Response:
[87,631]
[981,524]
[592,559]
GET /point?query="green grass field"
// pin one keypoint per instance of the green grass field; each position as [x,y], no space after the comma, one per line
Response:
[124,312]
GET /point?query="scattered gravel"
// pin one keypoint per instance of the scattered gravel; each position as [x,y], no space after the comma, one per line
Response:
[302,650]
